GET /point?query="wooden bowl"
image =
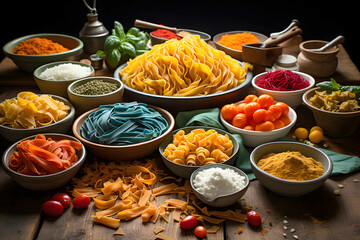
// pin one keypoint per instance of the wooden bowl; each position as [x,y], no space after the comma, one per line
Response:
[127,152]
[334,124]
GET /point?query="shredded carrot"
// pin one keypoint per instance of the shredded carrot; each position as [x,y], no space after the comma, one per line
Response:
[237,40]
[41,156]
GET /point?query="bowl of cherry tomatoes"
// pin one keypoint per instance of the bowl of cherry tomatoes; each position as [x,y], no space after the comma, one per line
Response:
[258,119]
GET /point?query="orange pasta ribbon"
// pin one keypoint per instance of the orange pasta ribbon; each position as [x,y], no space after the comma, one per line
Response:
[41,156]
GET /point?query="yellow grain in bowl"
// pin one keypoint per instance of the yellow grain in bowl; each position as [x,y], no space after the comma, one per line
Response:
[291,166]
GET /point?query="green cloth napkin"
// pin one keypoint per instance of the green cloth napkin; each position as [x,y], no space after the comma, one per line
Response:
[342,163]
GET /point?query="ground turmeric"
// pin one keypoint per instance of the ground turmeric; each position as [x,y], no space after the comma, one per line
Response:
[291,166]
[38,46]
[237,40]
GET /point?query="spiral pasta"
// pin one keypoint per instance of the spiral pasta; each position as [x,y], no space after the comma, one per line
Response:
[188,67]
[199,147]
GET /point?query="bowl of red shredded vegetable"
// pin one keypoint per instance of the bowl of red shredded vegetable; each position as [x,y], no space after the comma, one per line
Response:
[283,85]
[44,161]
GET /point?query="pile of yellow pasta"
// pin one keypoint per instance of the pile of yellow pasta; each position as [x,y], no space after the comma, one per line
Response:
[188,67]
[199,147]
[29,110]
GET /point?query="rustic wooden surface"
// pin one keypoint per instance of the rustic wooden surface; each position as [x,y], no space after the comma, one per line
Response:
[339,216]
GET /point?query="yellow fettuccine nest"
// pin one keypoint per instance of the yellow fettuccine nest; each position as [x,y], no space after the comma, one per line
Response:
[29,110]
[188,67]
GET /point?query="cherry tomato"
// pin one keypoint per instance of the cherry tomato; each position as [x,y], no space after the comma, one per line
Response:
[254,218]
[52,208]
[189,222]
[81,201]
[63,198]
[200,232]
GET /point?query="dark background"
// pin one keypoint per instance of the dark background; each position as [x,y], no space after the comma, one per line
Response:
[322,20]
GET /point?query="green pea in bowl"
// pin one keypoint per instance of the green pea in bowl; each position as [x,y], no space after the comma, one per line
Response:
[83,103]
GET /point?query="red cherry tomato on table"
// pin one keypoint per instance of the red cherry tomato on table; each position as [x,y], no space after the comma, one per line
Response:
[189,222]
[200,232]
[63,198]
[81,201]
[52,208]
[254,218]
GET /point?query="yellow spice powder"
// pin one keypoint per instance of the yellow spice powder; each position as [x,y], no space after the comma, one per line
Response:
[291,166]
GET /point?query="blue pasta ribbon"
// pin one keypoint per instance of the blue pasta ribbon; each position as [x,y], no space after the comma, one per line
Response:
[123,124]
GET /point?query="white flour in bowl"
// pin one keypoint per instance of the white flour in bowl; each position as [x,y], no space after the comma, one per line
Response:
[213,182]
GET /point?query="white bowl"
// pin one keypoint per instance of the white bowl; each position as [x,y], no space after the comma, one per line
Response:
[291,98]
[222,200]
[255,138]
[44,182]
[287,187]
[83,103]
[62,126]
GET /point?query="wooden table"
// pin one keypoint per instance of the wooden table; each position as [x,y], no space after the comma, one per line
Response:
[318,215]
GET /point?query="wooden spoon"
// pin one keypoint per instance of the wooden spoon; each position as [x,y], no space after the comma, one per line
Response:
[339,39]
[149,25]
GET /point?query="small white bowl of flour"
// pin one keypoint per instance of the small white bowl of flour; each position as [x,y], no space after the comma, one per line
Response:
[219,185]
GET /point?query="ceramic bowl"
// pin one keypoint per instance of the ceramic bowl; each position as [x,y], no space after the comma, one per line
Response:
[29,63]
[157,40]
[287,187]
[187,103]
[58,87]
[83,103]
[334,124]
[44,182]
[317,64]
[232,52]
[291,98]
[127,152]
[185,171]
[62,126]
[222,200]
[255,138]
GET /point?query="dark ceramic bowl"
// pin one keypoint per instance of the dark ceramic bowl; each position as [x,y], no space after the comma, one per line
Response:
[232,52]
[178,104]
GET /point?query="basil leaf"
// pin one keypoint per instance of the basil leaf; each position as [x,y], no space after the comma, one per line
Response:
[141,51]
[335,84]
[352,89]
[111,42]
[326,85]
[113,57]
[131,38]
[133,31]
[119,30]
[100,53]
[141,45]
[128,48]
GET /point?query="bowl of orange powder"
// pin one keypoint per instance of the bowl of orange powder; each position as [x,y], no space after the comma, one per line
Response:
[31,51]
[231,42]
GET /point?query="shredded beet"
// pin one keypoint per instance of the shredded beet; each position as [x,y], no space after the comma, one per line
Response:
[282,80]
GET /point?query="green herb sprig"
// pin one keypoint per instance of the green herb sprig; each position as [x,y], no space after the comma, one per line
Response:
[132,43]
[332,85]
